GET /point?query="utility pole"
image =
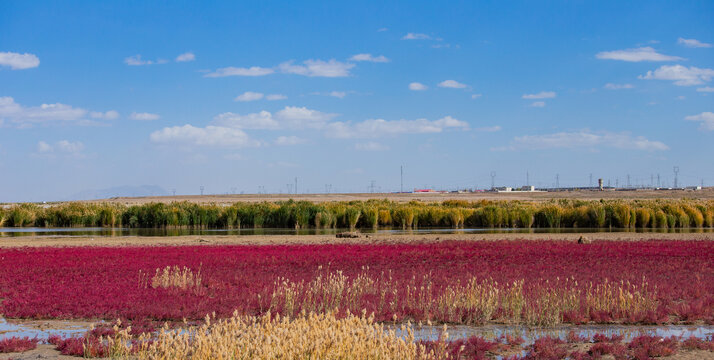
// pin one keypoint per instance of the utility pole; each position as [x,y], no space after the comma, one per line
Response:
[628,181]
[591,180]
[659,183]
[296,186]
[651,180]
[528,178]
[676,177]
[401,178]
[493,180]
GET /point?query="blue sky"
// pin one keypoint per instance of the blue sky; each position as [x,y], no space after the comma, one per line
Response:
[245,96]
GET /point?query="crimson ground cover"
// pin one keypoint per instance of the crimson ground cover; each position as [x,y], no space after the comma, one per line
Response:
[106,282]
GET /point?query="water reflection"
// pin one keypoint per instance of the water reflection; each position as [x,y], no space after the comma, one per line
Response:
[100,231]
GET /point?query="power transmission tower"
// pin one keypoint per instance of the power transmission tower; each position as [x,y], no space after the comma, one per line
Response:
[557,182]
[493,180]
[296,185]
[201,190]
[174,191]
[401,178]
[328,188]
[659,183]
[591,180]
[628,181]
[676,177]
[290,188]
[528,178]
[372,185]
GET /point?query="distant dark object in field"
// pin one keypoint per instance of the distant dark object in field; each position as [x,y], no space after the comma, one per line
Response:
[348,235]
[203,240]
[584,240]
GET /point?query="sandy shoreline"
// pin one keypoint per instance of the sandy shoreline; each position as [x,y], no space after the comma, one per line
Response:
[62,241]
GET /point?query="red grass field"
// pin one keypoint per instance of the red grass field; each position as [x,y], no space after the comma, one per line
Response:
[406,281]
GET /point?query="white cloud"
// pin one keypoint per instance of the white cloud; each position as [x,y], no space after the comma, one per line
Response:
[540,95]
[586,139]
[317,68]
[371,146]
[290,117]
[693,43]
[136,60]
[636,55]
[706,89]
[538,104]
[188,56]
[370,58]
[488,129]
[611,86]
[417,86]
[289,140]
[19,61]
[382,29]
[416,36]
[380,127]
[249,96]
[21,116]
[236,71]
[273,97]
[452,84]
[213,136]
[62,147]
[109,115]
[144,116]
[476,96]
[706,119]
[337,94]
[681,75]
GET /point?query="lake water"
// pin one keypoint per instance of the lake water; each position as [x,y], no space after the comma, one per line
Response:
[100,231]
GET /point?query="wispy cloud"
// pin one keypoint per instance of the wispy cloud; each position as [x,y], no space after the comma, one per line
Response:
[488,129]
[249,96]
[540,95]
[611,86]
[706,120]
[273,97]
[416,36]
[210,136]
[60,148]
[144,116]
[636,55]
[586,140]
[379,127]
[290,117]
[317,68]
[453,84]
[370,58]
[417,86]
[27,116]
[136,60]
[185,57]
[538,104]
[693,43]
[706,89]
[16,61]
[681,75]
[476,96]
[236,71]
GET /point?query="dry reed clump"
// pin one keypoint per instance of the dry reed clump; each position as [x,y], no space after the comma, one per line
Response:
[309,336]
[172,277]
[478,302]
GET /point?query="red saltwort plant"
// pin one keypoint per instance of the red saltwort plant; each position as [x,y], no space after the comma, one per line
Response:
[17,344]
[107,283]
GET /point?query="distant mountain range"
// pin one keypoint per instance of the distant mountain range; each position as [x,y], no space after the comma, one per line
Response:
[120,191]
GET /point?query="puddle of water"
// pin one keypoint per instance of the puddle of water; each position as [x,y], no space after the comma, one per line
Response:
[36,231]
[37,329]
[587,331]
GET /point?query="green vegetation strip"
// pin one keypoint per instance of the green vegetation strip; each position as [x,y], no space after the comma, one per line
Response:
[371,214]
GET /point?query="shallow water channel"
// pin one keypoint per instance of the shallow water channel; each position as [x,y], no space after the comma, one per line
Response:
[42,329]
[100,231]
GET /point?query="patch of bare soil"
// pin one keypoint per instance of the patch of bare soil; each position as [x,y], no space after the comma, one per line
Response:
[42,241]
